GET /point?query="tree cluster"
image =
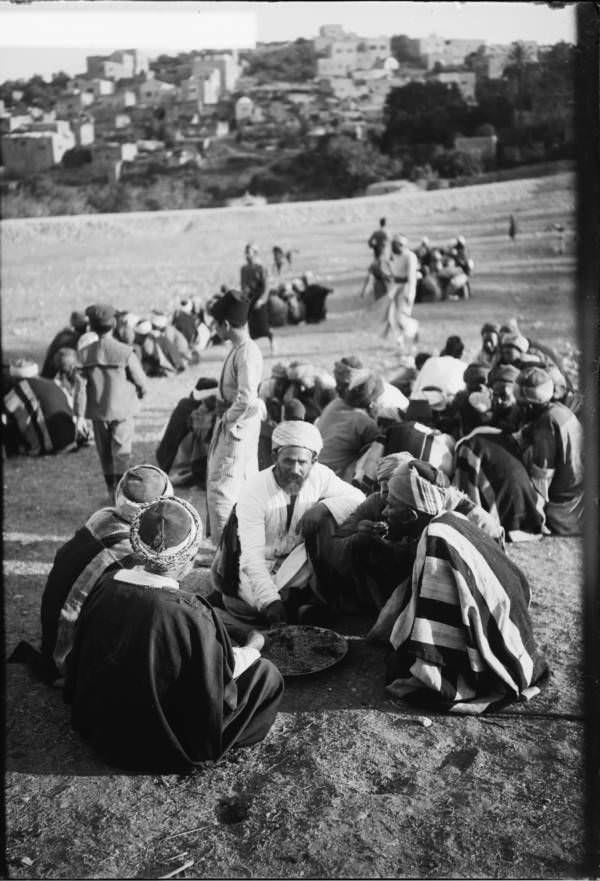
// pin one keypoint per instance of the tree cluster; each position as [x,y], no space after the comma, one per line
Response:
[296,62]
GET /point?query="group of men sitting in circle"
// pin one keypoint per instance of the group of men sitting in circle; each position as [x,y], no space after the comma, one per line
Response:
[415,557]
[388,499]
[443,272]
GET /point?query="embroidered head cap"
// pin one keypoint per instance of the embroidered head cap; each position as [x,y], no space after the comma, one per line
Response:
[166,534]
[138,487]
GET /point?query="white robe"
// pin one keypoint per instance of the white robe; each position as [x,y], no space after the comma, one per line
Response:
[265,542]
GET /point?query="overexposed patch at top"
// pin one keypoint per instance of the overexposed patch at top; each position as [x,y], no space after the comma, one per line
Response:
[171,26]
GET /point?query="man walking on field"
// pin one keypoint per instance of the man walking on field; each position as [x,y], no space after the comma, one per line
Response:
[233,453]
[405,264]
[112,380]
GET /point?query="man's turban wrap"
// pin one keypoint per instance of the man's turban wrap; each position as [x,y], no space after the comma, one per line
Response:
[138,487]
[343,370]
[389,464]
[535,386]
[166,534]
[418,492]
[297,434]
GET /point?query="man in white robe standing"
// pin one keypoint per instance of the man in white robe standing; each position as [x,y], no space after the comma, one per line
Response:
[405,264]
[233,452]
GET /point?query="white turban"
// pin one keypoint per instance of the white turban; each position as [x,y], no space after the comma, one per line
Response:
[389,464]
[159,320]
[297,434]
[389,402]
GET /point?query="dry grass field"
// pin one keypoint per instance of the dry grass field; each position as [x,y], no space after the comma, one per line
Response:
[348,783]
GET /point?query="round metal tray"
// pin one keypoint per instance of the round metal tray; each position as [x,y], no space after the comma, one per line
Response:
[300,650]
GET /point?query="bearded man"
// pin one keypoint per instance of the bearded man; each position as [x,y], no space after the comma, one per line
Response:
[271,564]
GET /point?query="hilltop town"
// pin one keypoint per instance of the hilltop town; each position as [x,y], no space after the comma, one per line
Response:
[205,128]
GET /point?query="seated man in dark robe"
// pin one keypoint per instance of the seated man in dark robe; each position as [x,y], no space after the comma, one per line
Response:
[551,447]
[184,445]
[151,356]
[428,288]
[470,407]
[67,338]
[186,322]
[489,466]
[314,296]
[171,341]
[102,542]
[153,680]
[461,634]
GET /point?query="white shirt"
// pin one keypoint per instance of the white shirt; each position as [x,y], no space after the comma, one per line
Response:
[262,516]
[241,375]
[405,266]
[440,371]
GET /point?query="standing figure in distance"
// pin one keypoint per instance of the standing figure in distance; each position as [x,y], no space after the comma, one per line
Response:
[253,282]
[112,381]
[378,239]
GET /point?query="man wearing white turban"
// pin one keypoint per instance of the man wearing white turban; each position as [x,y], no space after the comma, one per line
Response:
[274,539]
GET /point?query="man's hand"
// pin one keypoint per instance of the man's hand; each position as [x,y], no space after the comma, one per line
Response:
[255,640]
[373,527]
[275,613]
[370,535]
[310,521]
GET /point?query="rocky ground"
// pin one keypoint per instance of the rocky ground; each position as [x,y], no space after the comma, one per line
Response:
[348,783]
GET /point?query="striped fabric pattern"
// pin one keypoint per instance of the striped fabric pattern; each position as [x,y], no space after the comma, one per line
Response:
[427,497]
[29,416]
[464,631]
[491,475]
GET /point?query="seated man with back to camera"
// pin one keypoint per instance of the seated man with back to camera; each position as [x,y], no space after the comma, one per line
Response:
[153,680]
[270,564]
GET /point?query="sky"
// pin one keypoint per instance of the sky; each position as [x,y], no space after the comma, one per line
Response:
[42,37]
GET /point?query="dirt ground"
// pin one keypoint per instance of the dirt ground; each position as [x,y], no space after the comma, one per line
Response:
[348,783]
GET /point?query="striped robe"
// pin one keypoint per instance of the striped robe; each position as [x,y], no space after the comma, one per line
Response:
[490,472]
[42,414]
[102,542]
[463,630]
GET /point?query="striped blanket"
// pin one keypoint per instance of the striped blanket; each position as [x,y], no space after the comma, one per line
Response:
[490,472]
[42,415]
[463,631]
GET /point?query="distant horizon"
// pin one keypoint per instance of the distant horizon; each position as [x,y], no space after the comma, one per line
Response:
[73,30]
